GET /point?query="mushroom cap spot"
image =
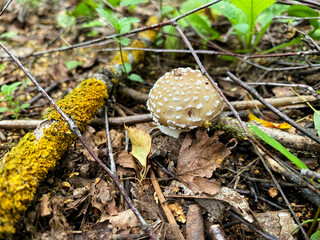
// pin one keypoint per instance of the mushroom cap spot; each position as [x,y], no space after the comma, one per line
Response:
[182,107]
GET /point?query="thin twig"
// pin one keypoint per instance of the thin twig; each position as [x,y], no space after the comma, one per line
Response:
[263,233]
[212,52]
[310,174]
[5,7]
[112,162]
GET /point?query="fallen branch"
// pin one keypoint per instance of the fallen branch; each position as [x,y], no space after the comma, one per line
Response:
[27,164]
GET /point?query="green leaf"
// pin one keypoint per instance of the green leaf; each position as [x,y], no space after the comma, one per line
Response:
[4,89]
[127,66]
[123,41]
[82,9]
[252,9]
[3,109]
[230,11]
[203,25]
[171,41]
[315,34]
[316,120]
[25,105]
[12,88]
[125,24]
[135,77]
[8,35]
[114,3]
[241,28]
[315,236]
[292,42]
[95,23]
[72,64]
[108,16]
[65,20]
[278,146]
[125,3]
[167,9]
[267,15]
[304,11]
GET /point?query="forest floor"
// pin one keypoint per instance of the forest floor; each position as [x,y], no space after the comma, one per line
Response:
[237,194]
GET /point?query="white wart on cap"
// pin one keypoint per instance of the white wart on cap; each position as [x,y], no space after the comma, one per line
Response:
[183,99]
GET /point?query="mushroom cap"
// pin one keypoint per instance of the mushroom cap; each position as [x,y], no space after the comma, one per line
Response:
[184,99]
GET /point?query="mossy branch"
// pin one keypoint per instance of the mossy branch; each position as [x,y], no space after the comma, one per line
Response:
[27,164]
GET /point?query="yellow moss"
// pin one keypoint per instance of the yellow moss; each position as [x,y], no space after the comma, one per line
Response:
[27,164]
[117,58]
[150,34]
[138,55]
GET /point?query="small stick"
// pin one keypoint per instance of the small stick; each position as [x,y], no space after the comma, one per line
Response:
[112,162]
[195,226]
[263,233]
[165,206]
[310,174]
[161,198]
[272,108]
[212,52]
[217,233]
[5,7]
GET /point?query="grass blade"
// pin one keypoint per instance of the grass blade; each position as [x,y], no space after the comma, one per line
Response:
[278,146]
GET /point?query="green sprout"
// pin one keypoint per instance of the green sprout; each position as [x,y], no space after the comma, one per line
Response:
[14,107]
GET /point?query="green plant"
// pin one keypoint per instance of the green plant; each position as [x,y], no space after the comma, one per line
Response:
[7,92]
[199,21]
[278,146]
[305,11]
[121,25]
[245,15]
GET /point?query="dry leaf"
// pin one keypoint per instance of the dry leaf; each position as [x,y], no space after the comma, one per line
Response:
[116,140]
[45,206]
[215,205]
[141,144]
[273,192]
[123,220]
[100,137]
[88,136]
[279,223]
[269,124]
[197,161]
[126,160]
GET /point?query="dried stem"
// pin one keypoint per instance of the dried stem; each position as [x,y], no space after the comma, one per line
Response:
[5,7]
[112,162]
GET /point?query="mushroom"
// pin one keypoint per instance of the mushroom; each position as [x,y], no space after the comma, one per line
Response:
[183,99]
